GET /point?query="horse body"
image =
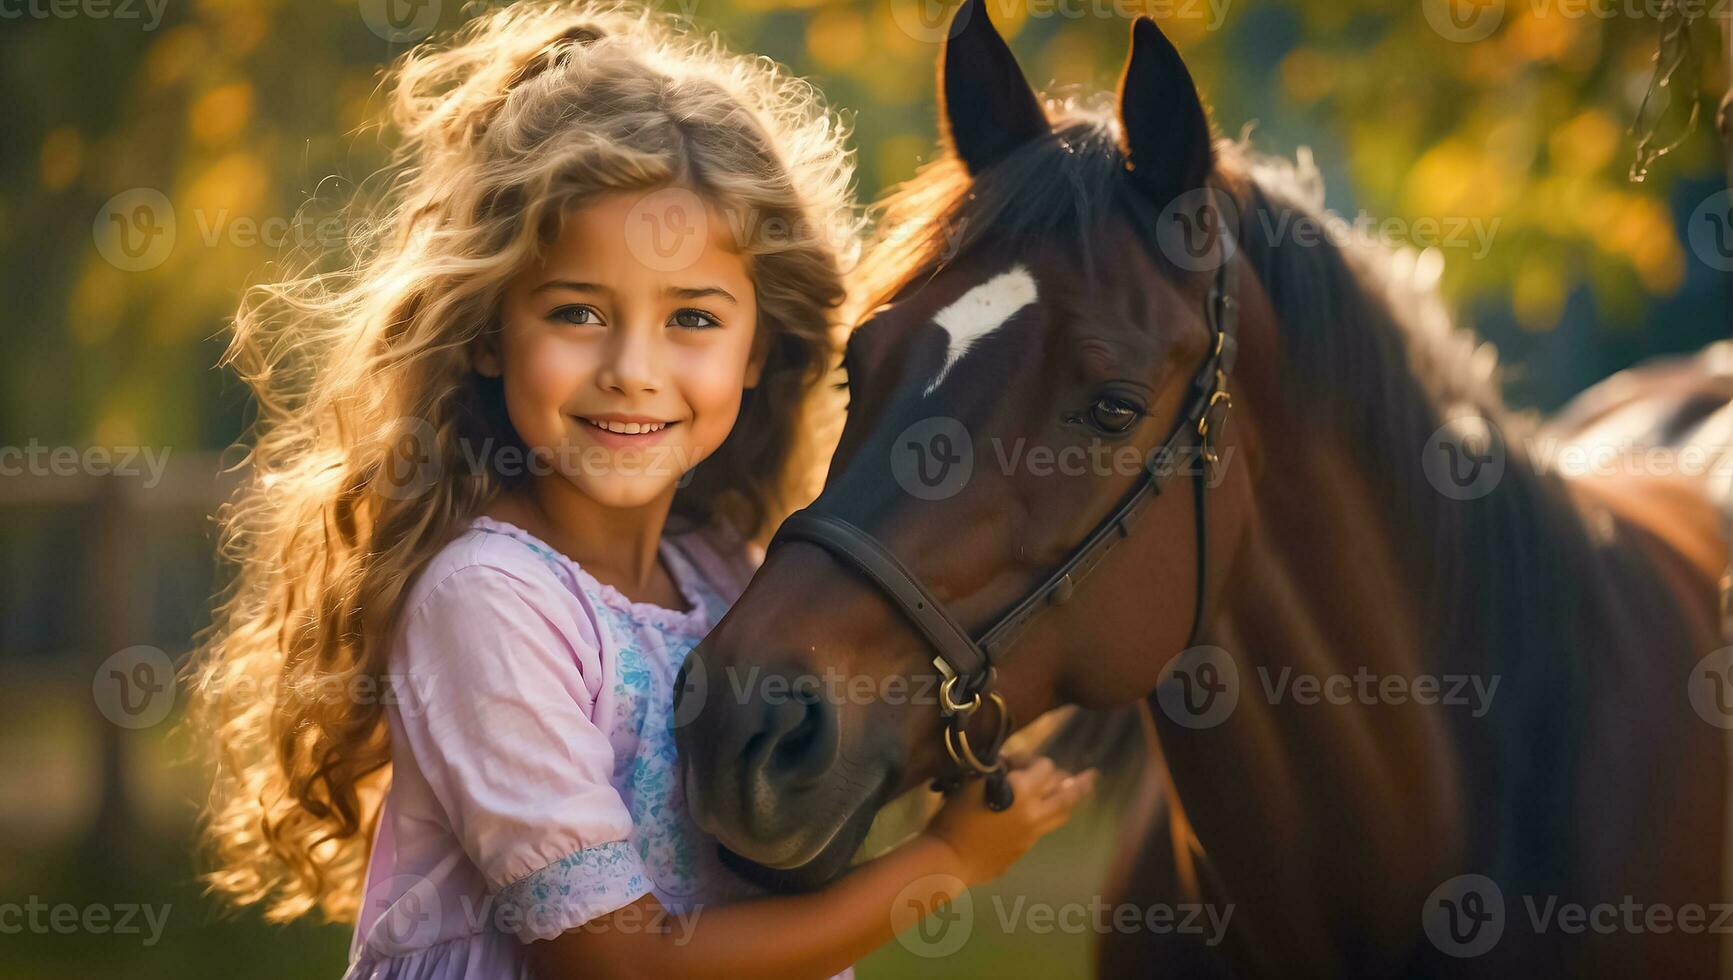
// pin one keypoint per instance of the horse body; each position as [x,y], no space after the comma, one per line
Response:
[1367,808]
[1444,709]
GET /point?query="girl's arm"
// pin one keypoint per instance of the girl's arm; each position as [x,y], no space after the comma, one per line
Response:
[822,933]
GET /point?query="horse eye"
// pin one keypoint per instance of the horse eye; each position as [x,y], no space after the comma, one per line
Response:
[1115,415]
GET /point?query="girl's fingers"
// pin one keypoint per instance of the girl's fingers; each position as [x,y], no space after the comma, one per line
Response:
[1046,793]
[1061,779]
[1058,809]
[1032,779]
[1038,771]
[1065,794]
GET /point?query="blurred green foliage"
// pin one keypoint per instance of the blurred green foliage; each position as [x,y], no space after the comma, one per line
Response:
[252,118]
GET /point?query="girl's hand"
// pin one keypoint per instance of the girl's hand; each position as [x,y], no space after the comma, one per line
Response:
[987,843]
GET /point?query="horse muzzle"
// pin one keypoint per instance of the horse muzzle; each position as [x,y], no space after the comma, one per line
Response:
[783,773]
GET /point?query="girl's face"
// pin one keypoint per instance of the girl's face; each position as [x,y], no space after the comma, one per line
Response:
[626,350]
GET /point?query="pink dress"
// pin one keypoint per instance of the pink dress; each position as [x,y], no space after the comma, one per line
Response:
[534,785]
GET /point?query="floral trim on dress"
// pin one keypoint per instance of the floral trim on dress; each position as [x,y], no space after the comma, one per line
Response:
[573,890]
[693,622]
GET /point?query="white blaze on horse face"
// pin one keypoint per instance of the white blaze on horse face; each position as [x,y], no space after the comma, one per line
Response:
[979,312]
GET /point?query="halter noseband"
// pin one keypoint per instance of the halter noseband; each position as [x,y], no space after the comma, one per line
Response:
[967,663]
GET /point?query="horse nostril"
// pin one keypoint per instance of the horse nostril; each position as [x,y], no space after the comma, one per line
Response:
[799,741]
[795,746]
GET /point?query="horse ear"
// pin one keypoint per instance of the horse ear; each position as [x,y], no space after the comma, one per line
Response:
[988,108]
[1166,136]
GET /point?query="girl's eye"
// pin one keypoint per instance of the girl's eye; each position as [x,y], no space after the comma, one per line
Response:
[1114,415]
[576,314]
[695,320]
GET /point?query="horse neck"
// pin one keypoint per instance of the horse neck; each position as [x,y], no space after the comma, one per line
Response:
[1328,783]
[1315,603]
[1349,569]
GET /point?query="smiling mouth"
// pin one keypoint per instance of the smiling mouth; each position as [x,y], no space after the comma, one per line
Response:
[625,428]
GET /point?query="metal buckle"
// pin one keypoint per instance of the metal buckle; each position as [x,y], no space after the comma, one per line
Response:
[963,754]
[951,707]
[1218,398]
[1219,401]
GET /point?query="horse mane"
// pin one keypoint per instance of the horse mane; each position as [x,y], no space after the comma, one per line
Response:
[1511,582]
[1507,579]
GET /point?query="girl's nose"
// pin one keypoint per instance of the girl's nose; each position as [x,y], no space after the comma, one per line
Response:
[632,361]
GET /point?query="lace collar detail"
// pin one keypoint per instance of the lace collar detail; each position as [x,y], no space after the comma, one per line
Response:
[695,621]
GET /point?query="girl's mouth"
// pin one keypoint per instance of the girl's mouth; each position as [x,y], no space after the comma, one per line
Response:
[620,432]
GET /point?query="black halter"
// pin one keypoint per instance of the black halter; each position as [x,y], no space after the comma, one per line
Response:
[968,664]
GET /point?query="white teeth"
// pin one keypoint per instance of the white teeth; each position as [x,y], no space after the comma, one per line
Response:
[628,428]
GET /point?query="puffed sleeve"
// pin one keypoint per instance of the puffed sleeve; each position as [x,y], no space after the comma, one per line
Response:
[507,667]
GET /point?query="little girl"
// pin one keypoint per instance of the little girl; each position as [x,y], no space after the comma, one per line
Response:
[506,474]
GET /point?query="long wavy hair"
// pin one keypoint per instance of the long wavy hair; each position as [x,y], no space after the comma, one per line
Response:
[359,466]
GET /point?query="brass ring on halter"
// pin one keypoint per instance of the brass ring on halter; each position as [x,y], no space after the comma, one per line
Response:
[1221,397]
[957,741]
[951,706]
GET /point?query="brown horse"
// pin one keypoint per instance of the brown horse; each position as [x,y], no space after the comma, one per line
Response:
[1423,677]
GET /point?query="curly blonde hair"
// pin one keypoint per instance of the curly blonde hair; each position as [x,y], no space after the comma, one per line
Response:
[523,114]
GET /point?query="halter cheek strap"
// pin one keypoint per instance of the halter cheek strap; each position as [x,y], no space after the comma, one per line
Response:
[968,663]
